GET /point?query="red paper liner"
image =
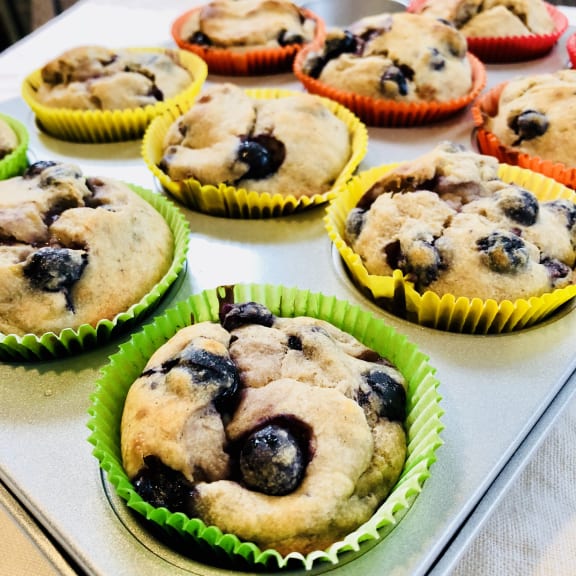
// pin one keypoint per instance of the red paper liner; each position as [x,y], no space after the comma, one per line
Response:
[257,61]
[513,48]
[571,49]
[488,143]
[389,113]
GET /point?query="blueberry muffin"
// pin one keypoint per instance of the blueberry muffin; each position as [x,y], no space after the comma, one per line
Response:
[99,78]
[492,18]
[8,139]
[287,432]
[533,114]
[452,226]
[247,24]
[74,250]
[401,57]
[275,145]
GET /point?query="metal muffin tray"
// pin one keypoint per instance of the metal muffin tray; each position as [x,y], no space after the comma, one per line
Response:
[495,389]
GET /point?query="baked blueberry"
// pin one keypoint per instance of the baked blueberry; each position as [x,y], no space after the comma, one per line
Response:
[55,269]
[286,38]
[556,269]
[57,173]
[355,223]
[437,61]
[383,396]
[217,372]
[233,316]
[566,208]
[263,154]
[272,461]
[36,168]
[348,43]
[422,262]
[529,125]
[162,486]
[200,38]
[395,79]
[294,342]
[519,205]
[503,252]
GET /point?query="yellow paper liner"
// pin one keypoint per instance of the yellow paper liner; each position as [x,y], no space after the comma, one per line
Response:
[32,347]
[488,143]
[248,62]
[450,312]
[571,49]
[388,113]
[97,126]
[15,163]
[513,48]
[423,425]
[228,201]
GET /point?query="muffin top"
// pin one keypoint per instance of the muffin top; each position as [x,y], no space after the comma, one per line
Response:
[74,250]
[247,25]
[8,139]
[403,57]
[533,114]
[98,78]
[452,226]
[493,18]
[287,432]
[276,145]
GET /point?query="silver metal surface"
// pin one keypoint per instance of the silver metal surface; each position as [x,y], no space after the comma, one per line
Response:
[345,12]
[495,388]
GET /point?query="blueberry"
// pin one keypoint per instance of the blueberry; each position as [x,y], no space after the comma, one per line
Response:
[423,262]
[156,93]
[385,396]
[334,47]
[529,125]
[37,168]
[556,269]
[294,343]
[565,208]
[272,461]
[200,38]
[208,369]
[286,38]
[504,252]
[355,223]
[162,486]
[233,316]
[397,76]
[263,154]
[437,61]
[394,256]
[55,269]
[519,205]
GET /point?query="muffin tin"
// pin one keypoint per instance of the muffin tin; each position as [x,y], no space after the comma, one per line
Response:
[495,389]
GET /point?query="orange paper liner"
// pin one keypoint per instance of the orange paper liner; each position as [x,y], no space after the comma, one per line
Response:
[513,48]
[450,312]
[249,62]
[228,201]
[571,49]
[488,143]
[388,113]
[96,126]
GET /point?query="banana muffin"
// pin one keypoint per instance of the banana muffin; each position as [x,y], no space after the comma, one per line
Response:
[452,226]
[287,432]
[99,78]
[274,145]
[401,57]
[75,250]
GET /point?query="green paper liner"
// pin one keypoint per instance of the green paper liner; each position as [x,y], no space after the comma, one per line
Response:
[423,424]
[450,312]
[69,341]
[15,163]
[231,202]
